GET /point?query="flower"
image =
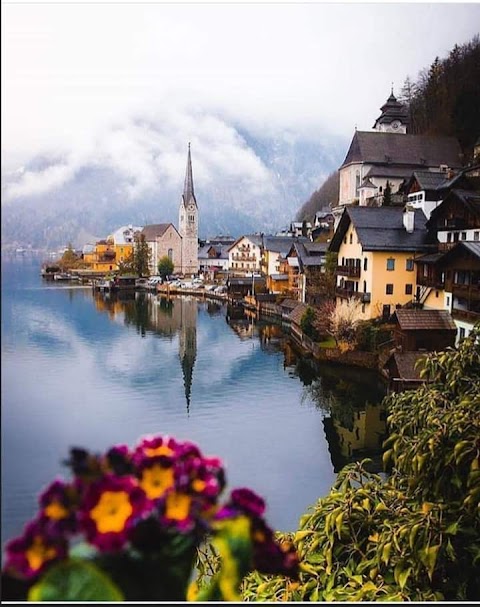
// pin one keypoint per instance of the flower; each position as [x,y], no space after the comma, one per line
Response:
[29,555]
[109,510]
[242,501]
[57,507]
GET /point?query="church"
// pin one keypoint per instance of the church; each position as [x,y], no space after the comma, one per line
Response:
[181,246]
[389,153]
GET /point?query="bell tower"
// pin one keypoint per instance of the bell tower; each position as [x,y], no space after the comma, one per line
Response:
[188,222]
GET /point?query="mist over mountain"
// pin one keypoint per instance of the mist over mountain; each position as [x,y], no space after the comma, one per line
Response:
[243,183]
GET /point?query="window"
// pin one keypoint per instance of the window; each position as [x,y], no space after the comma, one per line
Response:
[476,236]
[449,237]
[409,265]
[408,289]
[365,264]
[351,238]
[464,236]
[448,302]
[461,333]
[345,240]
[390,264]
[386,312]
[170,254]
[357,183]
[389,289]
[364,286]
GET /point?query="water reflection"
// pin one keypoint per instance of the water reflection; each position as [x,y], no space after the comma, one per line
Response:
[354,417]
[349,399]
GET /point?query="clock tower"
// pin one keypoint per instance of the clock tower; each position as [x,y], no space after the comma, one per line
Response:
[188,222]
[394,117]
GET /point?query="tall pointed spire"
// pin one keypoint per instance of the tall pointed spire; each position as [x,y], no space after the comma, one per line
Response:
[188,193]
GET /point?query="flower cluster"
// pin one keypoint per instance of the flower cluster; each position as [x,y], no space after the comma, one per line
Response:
[134,499]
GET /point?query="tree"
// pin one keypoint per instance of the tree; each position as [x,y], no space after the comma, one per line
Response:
[344,320]
[414,535]
[69,258]
[141,256]
[165,266]
[387,195]
[307,323]
[325,197]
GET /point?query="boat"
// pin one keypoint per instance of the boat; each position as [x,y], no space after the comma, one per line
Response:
[62,276]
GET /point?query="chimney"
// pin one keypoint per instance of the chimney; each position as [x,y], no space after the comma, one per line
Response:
[409,218]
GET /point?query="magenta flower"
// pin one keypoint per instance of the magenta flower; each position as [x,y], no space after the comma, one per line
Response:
[28,556]
[119,460]
[242,501]
[57,507]
[151,447]
[110,508]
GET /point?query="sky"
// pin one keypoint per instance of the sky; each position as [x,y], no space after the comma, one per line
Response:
[126,85]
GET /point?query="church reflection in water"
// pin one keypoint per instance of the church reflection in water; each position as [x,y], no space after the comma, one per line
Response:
[161,316]
[350,399]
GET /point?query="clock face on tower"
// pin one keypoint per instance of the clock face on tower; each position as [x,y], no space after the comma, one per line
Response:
[191,207]
[395,124]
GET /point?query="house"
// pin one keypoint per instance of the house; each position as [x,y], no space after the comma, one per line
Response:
[457,218]
[451,282]
[428,330]
[274,249]
[163,240]
[124,241]
[376,249]
[213,258]
[244,255]
[402,370]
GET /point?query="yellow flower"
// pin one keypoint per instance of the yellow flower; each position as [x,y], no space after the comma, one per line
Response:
[112,511]
[156,480]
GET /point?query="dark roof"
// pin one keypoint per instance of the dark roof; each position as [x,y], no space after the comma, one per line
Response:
[406,363]
[289,303]
[398,148]
[434,320]
[430,180]
[282,244]
[469,198]
[472,247]
[298,311]
[155,230]
[367,184]
[387,171]
[256,239]
[429,258]
[315,248]
[392,110]
[382,229]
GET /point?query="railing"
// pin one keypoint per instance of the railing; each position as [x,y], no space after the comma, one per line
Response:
[352,271]
[430,281]
[467,315]
[347,293]
[243,257]
[463,289]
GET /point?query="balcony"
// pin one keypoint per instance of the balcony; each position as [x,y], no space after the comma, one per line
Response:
[243,257]
[430,281]
[347,293]
[455,223]
[466,315]
[466,291]
[351,271]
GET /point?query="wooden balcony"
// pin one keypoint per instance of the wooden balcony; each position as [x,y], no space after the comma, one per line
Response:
[351,271]
[347,293]
[466,291]
[243,257]
[466,315]
[430,281]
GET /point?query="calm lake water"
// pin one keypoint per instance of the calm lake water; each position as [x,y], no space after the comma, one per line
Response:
[80,369]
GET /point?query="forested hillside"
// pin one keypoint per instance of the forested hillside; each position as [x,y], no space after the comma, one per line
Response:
[444,100]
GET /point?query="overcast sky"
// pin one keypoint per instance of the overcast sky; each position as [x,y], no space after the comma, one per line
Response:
[73,74]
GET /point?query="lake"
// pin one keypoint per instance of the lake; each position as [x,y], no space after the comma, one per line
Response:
[84,369]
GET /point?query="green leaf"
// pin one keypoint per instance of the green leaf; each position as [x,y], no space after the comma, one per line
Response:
[75,580]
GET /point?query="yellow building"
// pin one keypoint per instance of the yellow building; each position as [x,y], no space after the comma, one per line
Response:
[377,248]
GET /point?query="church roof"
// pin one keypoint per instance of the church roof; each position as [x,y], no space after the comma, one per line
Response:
[373,147]
[393,110]
[156,230]
[188,193]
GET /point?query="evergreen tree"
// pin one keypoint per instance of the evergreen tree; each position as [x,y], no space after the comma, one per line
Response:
[387,195]
[141,256]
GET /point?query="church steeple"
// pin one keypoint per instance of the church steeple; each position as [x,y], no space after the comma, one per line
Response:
[394,117]
[188,192]
[188,222]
